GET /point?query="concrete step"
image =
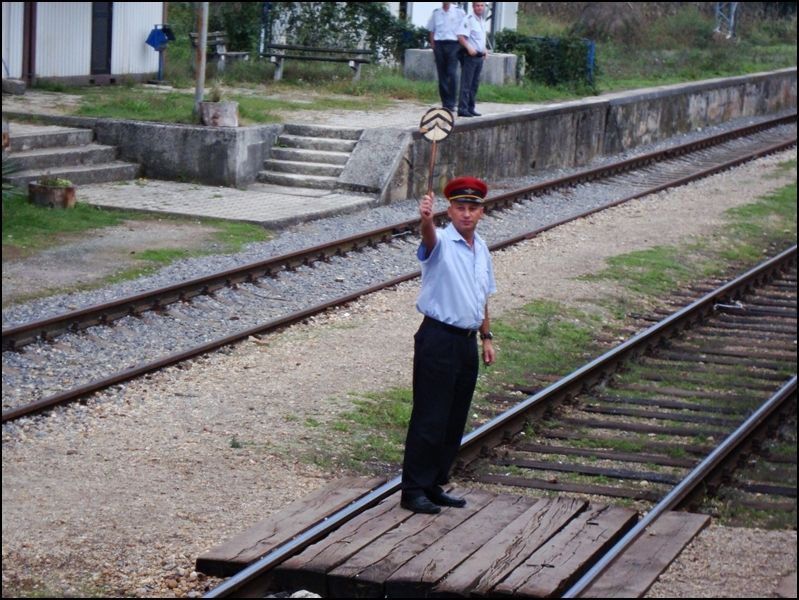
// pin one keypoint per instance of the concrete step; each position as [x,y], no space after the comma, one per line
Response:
[304,168]
[55,138]
[81,174]
[48,158]
[292,180]
[314,156]
[316,143]
[322,131]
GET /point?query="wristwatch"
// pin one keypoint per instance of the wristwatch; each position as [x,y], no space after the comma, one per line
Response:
[486,336]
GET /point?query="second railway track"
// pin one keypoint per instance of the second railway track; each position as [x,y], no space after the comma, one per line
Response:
[238,312]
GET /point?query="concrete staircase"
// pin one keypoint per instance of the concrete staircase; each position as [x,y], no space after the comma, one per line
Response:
[309,156]
[64,152]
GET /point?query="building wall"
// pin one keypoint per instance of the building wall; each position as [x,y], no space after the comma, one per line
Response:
[132,23]
[12,39]
[63,38]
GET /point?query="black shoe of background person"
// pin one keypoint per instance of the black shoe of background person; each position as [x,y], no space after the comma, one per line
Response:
[465,114]
[476,114]
[438,496]
[419,504]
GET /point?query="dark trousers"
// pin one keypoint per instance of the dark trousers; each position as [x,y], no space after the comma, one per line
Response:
[471,67]
[446,55]
[445,366]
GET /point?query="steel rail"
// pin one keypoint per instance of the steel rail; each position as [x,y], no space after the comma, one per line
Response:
[97,385]
[105,313]
[513,420]
[688,485]
[508,423]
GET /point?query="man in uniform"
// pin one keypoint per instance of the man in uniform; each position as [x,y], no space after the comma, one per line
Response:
[444,25]
[457,278]
[472,38]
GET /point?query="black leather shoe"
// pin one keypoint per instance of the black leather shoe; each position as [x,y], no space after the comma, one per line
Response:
[419,504]
[441,498]
[463,114]
[476,114]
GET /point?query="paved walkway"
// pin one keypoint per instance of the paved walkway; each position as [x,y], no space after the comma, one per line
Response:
[270,205]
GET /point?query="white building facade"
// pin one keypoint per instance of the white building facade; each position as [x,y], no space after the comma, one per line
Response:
[79,42]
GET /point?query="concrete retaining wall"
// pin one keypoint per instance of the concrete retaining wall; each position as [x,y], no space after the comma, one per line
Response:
[573,133]
[230,156]
[498,69]
[394,163]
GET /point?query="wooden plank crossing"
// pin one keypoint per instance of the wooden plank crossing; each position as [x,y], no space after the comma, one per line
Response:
[498,545]
[247,547]
[537,544]
[650,554]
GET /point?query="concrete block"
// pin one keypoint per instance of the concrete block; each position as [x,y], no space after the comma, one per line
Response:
[14,86]
[499,69]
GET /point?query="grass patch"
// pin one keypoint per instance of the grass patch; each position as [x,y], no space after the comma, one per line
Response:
[142,104]
[750,232]
[542,337]
[28,227]
[375,430]
[654,271]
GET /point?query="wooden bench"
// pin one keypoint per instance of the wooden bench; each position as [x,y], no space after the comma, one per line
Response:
[279,53]
[216,48]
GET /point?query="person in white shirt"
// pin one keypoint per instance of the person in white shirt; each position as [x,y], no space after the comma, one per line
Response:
[444,25]
[472,39]
[457,279]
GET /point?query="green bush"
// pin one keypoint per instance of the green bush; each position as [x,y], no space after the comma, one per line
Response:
[552,61]
[346,25]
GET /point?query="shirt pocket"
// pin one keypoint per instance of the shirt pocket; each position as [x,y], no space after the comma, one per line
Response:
[481,273]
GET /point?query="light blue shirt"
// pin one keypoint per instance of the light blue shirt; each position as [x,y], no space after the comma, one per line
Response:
[446,24]
[474,30]
[456,279]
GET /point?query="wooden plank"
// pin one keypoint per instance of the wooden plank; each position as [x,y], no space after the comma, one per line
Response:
[484,569]
[634,572]
[666,403]
[247,547]
[540,465]
[642,445]
[579,488]
[308,569]
[592,424]
[417,576]
[550,569]
[663,416]
[363,574]
[655,459]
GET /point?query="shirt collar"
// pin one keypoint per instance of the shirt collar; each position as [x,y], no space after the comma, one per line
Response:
[454,236]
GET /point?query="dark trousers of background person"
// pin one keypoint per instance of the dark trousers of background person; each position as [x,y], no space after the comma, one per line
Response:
[445,366]
[446,55]
[471,67]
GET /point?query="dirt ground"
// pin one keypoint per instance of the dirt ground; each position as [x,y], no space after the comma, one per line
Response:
[83,260]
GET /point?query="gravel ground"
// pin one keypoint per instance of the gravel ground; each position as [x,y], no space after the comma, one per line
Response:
[119,496]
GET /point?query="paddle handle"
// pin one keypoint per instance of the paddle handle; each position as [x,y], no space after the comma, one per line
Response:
[432,164]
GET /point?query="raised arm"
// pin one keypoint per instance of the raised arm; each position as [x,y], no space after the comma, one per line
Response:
[427,226]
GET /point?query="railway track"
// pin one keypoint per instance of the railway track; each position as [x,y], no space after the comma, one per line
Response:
[685,394]
[731,421]
[673,171]
[232,314]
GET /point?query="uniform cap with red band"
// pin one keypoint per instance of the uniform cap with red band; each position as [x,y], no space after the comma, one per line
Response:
[466,189]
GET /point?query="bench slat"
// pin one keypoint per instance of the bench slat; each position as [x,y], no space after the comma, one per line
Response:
[318,49]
